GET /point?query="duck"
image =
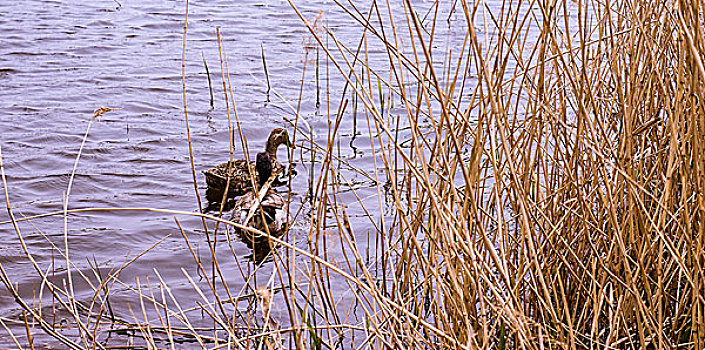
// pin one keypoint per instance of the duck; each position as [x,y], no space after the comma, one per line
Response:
[238,170]
[269,215]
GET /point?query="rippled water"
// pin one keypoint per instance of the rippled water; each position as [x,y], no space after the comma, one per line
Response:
[59,60]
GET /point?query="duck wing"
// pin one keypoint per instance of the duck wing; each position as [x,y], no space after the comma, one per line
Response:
[275,206]
[237,171]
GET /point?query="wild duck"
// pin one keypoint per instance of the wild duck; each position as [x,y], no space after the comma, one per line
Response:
[238,171]
[272,217]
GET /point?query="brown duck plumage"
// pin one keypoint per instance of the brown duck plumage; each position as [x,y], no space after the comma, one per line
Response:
[240,181]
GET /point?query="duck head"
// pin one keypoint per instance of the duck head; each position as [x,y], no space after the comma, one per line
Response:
[277,137]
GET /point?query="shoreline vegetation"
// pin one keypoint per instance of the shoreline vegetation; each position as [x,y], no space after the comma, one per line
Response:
[540,191]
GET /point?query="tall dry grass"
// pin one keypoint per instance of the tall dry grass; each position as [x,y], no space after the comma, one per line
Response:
[551,194]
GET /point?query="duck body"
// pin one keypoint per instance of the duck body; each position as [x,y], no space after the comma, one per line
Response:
[268,214]
[238,171]
[240,182]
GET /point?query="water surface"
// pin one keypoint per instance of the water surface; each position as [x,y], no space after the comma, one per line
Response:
[59,60]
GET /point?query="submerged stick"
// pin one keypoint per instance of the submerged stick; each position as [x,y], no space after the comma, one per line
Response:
[266,72]
[318,82]
[208,74]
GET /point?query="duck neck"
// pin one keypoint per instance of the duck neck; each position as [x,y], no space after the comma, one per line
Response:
[263,178]
[264,169]
[272,150]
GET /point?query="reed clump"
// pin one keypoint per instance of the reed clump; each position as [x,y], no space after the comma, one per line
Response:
[540,186]
[557,193]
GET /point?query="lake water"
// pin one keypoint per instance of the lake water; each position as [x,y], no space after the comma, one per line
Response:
[60,60]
